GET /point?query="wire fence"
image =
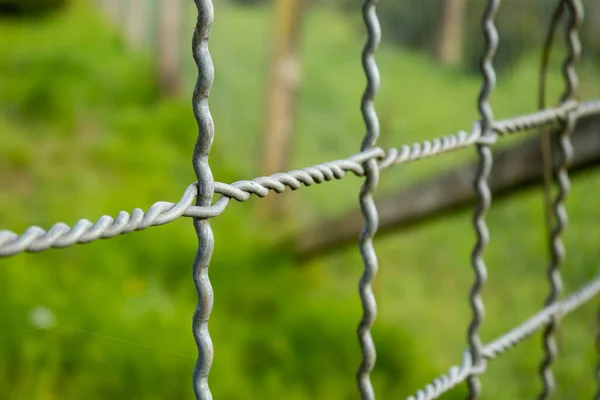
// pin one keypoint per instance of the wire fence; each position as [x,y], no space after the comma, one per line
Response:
[197,202]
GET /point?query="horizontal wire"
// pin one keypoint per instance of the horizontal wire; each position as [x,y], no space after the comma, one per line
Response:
[458,374]
[60,235]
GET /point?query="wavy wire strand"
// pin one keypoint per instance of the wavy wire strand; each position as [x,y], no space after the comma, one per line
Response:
[60,235]
[545,135]
[367,203]
[206,186]
[490,35]
[575,14]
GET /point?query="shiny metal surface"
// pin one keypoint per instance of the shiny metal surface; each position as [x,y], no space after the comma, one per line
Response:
[367,203]
[206,188]
[484,195]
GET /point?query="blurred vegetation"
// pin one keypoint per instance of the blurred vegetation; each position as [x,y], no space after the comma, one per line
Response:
[83,132]
[415,25]
[523,25]
[29,7]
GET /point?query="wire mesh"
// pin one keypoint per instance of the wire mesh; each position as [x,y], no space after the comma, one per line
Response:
[197,203]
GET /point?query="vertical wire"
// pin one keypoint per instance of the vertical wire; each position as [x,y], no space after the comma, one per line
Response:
[545,139]
[490,35]
[367,203]
[204,198]
[575,13]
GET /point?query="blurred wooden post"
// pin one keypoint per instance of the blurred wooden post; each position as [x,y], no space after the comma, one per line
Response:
[516,167]
[112,9]
[282,88]
[134,24]
[169,46]
[450,34]
[593,21]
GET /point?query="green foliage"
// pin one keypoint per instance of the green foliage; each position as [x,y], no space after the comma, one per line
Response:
[411,23]
[522,26]
[83,132]
[28,7]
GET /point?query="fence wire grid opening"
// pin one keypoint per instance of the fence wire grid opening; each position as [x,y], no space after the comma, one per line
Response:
[198,202]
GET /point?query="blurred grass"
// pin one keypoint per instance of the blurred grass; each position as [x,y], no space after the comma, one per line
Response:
[84,133]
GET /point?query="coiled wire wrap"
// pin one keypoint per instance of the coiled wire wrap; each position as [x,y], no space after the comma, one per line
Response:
[60,235]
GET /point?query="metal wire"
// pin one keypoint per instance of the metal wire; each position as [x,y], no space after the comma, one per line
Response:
[458,373]
[367,163]
[204,197]
[575,13]
[367,203]
[545,135]
[484,195]
[60,235]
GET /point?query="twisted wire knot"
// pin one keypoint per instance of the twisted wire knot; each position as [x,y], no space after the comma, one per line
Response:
[61,235]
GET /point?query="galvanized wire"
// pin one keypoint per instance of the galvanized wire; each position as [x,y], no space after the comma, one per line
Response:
[367,163]
[60,235]
[575,13]
[367,203]
[545,136]
[206,186]
[484,195]
[459,373]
